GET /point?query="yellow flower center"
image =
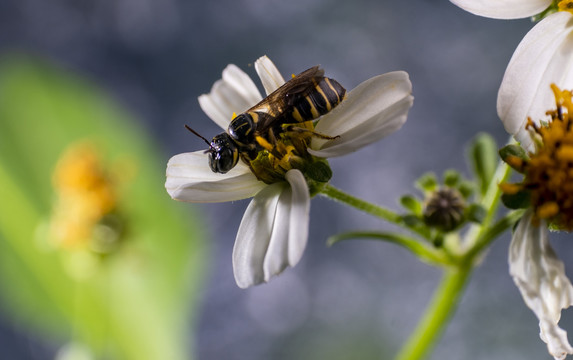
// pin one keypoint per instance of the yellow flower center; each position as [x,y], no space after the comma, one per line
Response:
[84,196]
[565,5]
[290,151]
[549,171]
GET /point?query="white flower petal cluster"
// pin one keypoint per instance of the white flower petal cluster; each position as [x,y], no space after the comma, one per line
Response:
[542,58]
[274,229]
[541,279]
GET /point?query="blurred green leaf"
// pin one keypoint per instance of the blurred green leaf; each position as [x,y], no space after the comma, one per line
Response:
[428,182]
[452,178]
[412,204]
[139,302]
[483,158]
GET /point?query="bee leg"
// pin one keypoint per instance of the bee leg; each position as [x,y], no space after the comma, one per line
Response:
[264,143]
[292,128]
[271,145]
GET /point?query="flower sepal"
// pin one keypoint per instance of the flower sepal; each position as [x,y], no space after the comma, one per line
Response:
[412,204]
[521,199]
[428,182]
[318,171]
[514,156]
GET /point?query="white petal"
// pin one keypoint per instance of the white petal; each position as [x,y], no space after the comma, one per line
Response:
[234,93]
[541,279]
[299,216]
[503,9]
[189,178]
[273,232]
[254,235]
[269,74]
[374,109]
[543,57]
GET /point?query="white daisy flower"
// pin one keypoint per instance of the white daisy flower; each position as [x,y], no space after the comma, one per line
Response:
[547,184]
[274,230]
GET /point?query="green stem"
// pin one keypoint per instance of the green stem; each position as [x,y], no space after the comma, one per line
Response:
[490,202]
[436,316]
[490,234]
[375,210]
[423,251]
[493,195]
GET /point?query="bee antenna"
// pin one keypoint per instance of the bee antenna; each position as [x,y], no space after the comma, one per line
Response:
[197,134]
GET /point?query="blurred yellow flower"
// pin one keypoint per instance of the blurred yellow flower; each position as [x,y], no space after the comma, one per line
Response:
[86,198]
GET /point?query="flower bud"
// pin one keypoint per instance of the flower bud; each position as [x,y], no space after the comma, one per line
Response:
[444,209]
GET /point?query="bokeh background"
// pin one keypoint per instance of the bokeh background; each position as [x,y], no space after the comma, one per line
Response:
[357,299]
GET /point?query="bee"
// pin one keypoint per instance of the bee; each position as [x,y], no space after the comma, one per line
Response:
[303,98]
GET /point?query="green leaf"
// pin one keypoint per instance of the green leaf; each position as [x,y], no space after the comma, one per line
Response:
[483,159]
[135,306]
[412,204]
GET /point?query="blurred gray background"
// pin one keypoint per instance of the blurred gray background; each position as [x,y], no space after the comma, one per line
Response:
[357,299]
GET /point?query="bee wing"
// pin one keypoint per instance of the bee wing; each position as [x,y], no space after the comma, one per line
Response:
[277,103]
[290,92]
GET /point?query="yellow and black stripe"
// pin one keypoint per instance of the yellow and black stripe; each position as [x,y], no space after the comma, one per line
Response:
[242,127]
[321,99]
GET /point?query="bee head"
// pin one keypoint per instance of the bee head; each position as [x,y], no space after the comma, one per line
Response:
[223,152]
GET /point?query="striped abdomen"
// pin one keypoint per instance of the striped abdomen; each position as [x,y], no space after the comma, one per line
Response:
[324,97]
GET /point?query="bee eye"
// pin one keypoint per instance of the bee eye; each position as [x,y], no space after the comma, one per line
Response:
[223,154]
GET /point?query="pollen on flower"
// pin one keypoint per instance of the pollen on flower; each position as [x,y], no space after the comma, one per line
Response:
[289,151]
[85,200]
[510,189]
[565,5]
[549,170]
[547,210]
